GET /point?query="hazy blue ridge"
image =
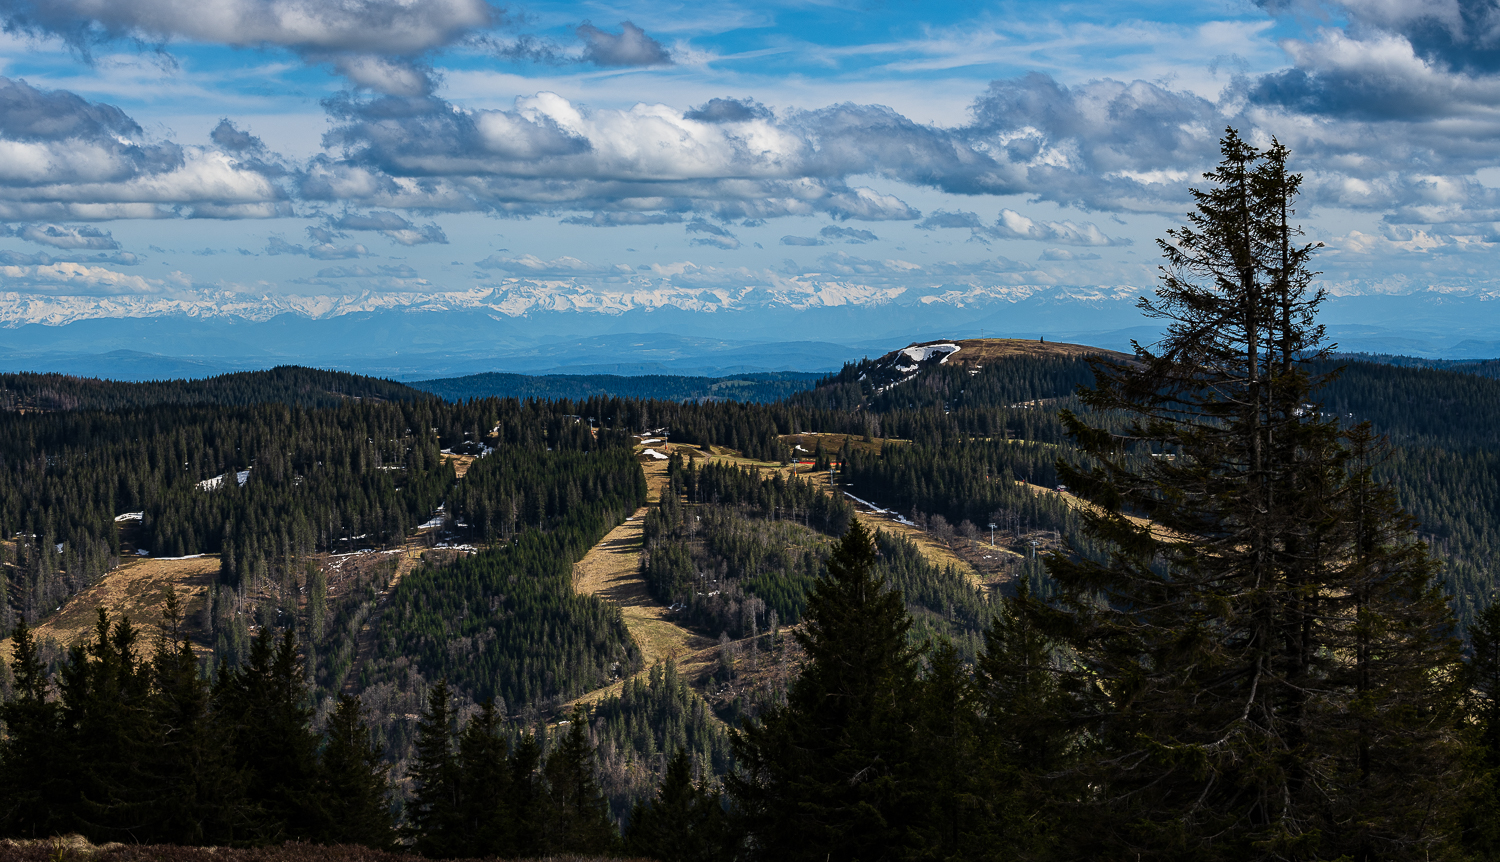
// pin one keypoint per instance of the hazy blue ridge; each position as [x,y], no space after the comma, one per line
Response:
[760,388]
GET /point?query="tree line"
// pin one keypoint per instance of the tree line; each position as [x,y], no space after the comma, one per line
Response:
[141,748]
[759,388]
[144,749]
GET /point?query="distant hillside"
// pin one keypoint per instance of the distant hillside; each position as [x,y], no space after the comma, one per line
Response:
[1431,403]
[1442,424]
[1450,408]
[752,388]
[287,384]
[971,354]
[977,351]
[970,373]
[1479,367]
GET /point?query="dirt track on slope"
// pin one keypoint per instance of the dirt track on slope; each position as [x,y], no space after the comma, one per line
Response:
[612,571]
[364,644]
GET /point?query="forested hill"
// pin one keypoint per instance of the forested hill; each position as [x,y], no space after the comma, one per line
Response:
[753,388]
[291,385]
[404,538]
[1432,407]
[1481,367]
[1455,407]
[964,416]
[980,374]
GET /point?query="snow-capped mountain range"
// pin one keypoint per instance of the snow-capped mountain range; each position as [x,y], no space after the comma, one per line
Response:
[520,299]
[632,326]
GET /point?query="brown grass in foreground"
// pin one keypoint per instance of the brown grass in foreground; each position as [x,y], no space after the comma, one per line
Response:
[74,848]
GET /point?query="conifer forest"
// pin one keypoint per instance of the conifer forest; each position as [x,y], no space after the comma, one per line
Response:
[1229,597]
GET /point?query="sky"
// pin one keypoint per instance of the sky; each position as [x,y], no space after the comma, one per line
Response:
[244,157]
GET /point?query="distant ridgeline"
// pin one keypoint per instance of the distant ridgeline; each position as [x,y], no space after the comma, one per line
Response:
[756,388]
[287,384]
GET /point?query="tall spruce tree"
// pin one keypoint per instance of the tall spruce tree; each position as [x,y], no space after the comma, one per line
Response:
[486,824]
[527,799]
[686,822]
[262,708]
[829,776]
[35,791]
[577,814]
[1249,662]
[1390,744]
[961,805]
[196,795]
[353,794]
[106,734]
[432,816]
[1025,743]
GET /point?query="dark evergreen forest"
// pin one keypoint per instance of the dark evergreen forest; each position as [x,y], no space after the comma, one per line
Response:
[738,551]
[1481,367]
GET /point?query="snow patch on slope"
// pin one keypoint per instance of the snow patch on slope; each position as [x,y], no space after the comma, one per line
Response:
[900,366]
[918,355]
[211,484]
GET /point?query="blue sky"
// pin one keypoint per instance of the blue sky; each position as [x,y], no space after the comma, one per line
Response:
[244,157]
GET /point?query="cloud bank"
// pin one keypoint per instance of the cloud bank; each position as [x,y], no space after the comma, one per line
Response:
[1391,109]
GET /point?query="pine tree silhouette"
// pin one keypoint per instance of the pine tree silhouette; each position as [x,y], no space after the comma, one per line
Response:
[828,776]
[1249,667]
[354,787]
[432,819]
[577,813]
[686,822]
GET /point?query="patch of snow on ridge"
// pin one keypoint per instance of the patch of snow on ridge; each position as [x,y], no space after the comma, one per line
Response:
[918,355]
